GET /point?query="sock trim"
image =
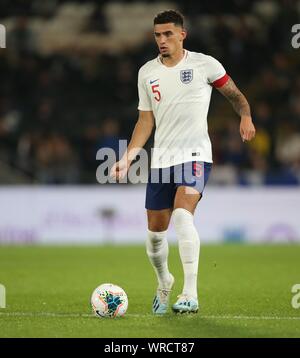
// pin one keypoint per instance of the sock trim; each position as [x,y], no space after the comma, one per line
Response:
[184,210]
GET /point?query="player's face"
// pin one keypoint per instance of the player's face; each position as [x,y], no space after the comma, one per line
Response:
[169,38]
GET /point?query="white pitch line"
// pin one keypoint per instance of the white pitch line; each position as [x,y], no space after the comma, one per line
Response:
[79,315]
[253,317]
[43,314]
[63,315]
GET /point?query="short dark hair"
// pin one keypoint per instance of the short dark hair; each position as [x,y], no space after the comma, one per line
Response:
[173,16]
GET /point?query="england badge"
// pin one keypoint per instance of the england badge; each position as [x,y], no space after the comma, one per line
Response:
[186,76]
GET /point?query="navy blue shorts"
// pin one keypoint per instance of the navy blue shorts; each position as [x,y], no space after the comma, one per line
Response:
[163,182]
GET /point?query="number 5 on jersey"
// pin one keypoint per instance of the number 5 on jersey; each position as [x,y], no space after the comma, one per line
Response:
[155,90]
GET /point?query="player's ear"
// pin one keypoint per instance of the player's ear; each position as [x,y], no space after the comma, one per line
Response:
[183,34]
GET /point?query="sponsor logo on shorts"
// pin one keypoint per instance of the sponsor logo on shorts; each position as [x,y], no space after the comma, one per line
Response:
[197,169]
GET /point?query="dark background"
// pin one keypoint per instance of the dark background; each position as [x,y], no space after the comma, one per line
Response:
[69,85]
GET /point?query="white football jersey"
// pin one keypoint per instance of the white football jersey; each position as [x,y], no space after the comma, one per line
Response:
[179,97]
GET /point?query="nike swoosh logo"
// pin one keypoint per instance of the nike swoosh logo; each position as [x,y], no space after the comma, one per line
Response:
[153,81]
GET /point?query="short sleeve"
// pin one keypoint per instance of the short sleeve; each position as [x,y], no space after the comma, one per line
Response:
[215,72]
[144,100]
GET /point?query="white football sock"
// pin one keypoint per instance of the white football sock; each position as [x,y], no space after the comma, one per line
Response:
[157,251]
[189,249]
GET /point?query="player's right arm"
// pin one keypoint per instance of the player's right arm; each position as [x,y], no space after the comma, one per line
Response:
[141,133]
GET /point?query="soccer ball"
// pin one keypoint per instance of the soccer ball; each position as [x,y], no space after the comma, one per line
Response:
[109,300]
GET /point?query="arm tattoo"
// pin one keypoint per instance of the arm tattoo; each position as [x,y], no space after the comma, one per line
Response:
[236,98]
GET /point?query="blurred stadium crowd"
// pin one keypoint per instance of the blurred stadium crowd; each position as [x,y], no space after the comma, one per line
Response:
[69,85]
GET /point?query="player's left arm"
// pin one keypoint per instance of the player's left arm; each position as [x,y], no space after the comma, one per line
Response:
[241,107]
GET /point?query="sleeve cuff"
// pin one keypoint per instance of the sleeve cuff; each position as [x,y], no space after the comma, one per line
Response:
[221,81]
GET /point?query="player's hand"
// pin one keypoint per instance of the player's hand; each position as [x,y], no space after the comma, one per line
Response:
[247,129]
[119,169]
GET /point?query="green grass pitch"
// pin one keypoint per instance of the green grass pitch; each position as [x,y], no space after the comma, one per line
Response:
[244,291]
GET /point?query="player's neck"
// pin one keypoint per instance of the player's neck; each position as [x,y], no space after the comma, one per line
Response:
[174,59]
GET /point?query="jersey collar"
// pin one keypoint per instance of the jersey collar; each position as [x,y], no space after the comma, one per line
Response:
[185,55]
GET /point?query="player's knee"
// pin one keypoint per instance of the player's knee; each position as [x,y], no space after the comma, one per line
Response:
[187,198]
[157,226]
